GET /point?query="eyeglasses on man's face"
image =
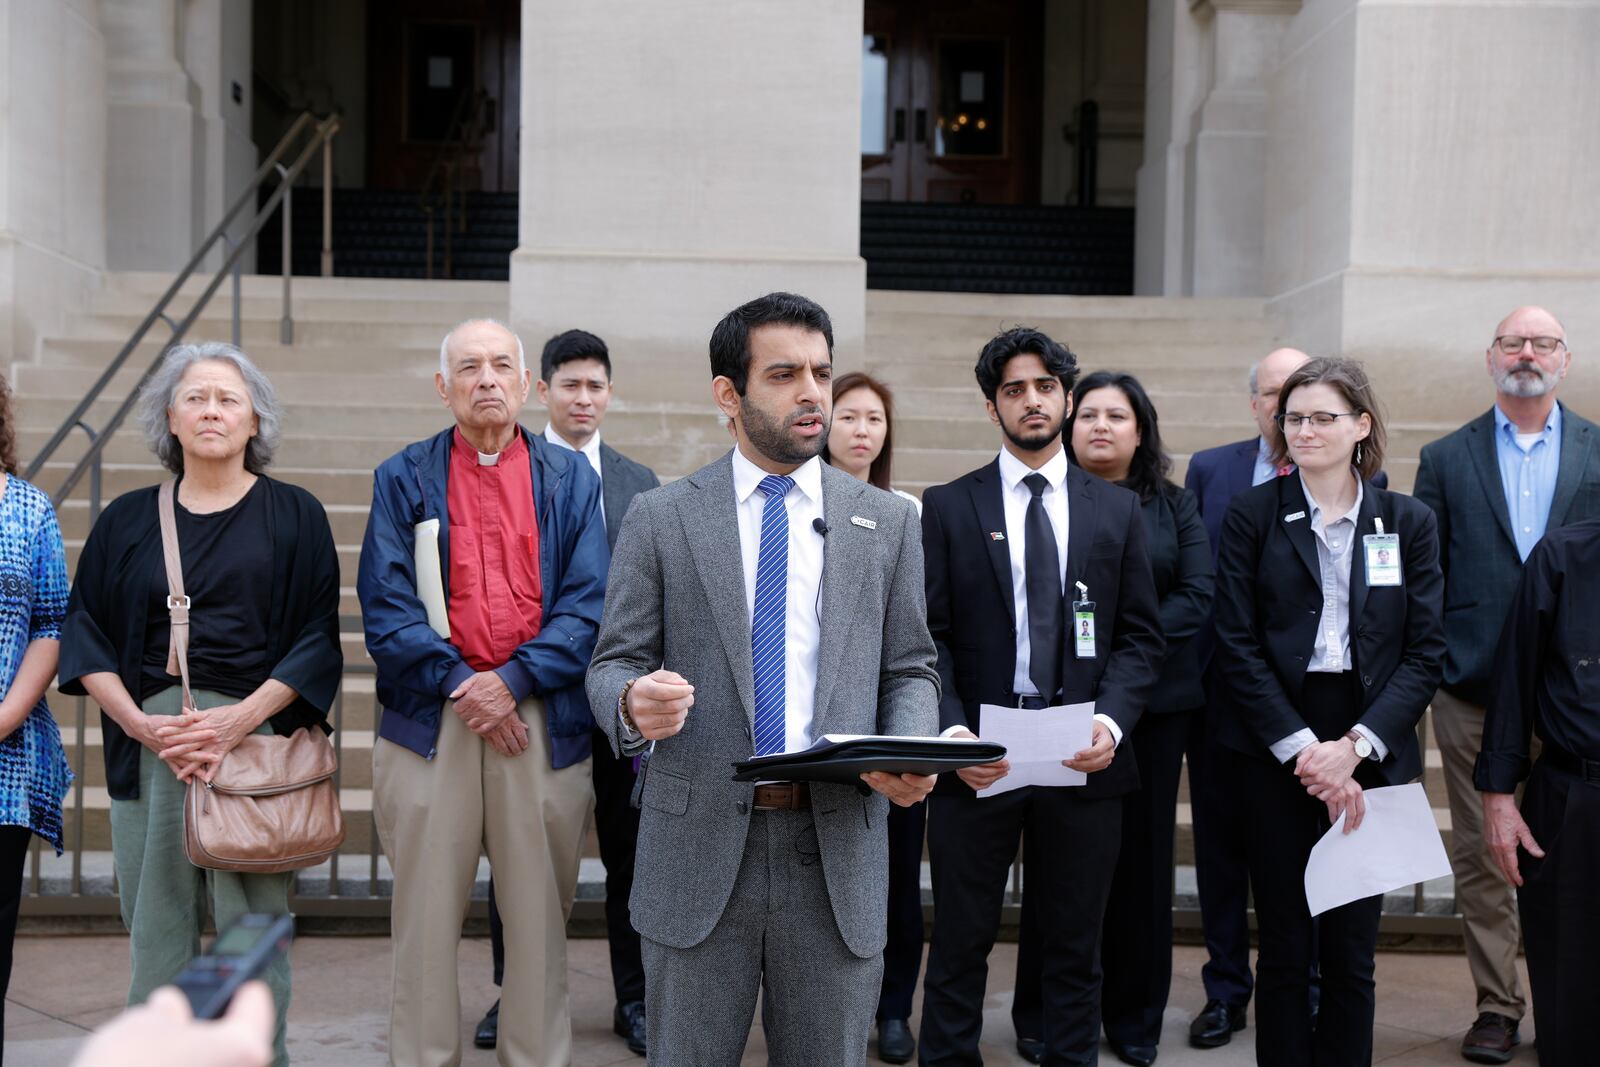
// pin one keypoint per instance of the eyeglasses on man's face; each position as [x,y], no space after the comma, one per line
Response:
[1511,344]
[1322,420]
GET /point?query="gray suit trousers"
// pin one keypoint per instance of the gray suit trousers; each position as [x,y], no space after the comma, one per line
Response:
[778,934]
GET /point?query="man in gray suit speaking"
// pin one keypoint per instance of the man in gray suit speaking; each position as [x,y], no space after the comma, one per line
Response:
[753,606]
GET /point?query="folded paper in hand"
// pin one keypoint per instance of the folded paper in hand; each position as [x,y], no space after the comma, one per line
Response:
[845,757]
[1039,739]
[1396,845]
[430,578]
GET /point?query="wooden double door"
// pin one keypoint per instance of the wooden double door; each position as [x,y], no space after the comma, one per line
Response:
[951,100]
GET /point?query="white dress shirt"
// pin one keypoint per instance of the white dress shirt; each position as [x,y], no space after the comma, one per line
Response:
[802,621]
[1016,496]
[1330,651]
[590,451]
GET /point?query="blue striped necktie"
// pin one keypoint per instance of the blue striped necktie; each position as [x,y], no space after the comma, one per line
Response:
[767,645]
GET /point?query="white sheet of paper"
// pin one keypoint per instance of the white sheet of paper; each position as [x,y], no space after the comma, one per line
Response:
[1036,741]
[1396,845]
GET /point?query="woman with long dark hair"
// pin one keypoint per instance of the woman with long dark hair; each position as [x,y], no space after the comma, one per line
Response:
[1330,640]
[861,442]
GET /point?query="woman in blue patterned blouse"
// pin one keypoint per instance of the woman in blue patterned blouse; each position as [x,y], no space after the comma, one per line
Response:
[33,599]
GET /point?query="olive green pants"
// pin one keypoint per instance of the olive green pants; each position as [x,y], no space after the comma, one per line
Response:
[164,896]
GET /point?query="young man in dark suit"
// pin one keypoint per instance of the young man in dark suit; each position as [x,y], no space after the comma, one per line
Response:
[575,387]
[1497,484]
[1007,634]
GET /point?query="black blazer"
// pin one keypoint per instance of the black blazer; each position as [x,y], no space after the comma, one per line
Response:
[971,612]
[1180,560]
[106,616]
[1459,478]
[1269,601]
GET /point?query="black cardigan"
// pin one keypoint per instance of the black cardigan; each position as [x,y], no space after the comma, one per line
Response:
[107,614]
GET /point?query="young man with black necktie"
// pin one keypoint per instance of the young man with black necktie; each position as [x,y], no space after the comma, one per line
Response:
[1047,531]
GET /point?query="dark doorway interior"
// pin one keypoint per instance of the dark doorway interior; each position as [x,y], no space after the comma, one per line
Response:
[951,146]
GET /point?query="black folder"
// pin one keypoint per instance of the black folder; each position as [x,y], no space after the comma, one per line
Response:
[846,759]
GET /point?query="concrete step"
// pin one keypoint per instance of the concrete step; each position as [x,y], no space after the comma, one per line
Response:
[151,284]
[315,307]
[882,302]
[264,332]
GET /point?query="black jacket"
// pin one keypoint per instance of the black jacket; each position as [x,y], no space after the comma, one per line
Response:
[1180,560]
[1269,601]
[970,608]
[107,617]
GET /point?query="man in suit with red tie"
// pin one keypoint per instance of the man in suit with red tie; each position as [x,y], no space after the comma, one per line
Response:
[1059,543]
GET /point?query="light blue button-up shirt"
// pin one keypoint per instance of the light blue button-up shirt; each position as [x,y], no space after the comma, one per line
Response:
[1264,470]
[1528,475]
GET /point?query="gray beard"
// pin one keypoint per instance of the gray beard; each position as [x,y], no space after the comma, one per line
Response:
[1526,380]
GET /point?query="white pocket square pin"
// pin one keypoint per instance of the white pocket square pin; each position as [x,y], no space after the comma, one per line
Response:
[865,524]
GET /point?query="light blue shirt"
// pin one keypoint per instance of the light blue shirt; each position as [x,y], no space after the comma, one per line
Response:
[1264,471]
[1528,471]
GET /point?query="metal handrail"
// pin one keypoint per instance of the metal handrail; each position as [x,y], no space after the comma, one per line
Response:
[463,135]
[321,136]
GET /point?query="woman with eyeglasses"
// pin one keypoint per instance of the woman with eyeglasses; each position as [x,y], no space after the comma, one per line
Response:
[1330,639]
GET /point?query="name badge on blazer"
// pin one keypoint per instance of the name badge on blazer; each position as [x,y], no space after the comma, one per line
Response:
[1383,557]
[865,524]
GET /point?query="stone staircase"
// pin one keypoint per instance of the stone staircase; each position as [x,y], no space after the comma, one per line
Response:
[356,386]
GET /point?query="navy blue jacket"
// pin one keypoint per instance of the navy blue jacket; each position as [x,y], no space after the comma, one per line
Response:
[418,669]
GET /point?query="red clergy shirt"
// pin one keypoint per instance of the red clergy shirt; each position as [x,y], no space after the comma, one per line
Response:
[494,554]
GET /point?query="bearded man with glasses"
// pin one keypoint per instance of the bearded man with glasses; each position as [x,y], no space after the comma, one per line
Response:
[1497,484]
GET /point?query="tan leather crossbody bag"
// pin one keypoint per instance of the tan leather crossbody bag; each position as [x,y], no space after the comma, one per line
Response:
[272,805]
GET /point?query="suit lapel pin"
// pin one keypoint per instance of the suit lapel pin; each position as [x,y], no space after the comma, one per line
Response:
[865,524]
[1294,517]
[996,535]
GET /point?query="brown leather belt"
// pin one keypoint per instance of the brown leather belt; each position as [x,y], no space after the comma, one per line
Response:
[783,796]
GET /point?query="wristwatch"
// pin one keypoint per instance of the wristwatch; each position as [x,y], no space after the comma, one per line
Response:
[1363,746]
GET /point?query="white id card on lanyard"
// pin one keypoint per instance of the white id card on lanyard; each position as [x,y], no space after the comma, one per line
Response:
[1083,623]
[1383,557]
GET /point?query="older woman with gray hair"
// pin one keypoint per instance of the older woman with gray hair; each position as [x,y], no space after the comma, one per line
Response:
[262,576]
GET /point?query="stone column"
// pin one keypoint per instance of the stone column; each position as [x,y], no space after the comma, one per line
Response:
[216,44]
[52,167]
[1175,84]
[1431,167]
[154,139]
[679,159]
[1227,150]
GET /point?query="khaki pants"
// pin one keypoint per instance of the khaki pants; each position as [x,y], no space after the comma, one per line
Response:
[1487,902]
[164,896]
[435,816]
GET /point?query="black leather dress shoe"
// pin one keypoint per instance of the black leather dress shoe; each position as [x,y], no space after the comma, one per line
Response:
[1216,1025]
[627,1022]
[1030,1049]
[1138,1055]
[488,1033]
[895,1043]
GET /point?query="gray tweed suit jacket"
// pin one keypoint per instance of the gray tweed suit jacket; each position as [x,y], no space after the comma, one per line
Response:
[675,599]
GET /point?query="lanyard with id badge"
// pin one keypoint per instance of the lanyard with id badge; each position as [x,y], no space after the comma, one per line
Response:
[1383,557]
[1083,623]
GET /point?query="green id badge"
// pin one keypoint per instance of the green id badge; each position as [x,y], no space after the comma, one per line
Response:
[1083,628]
